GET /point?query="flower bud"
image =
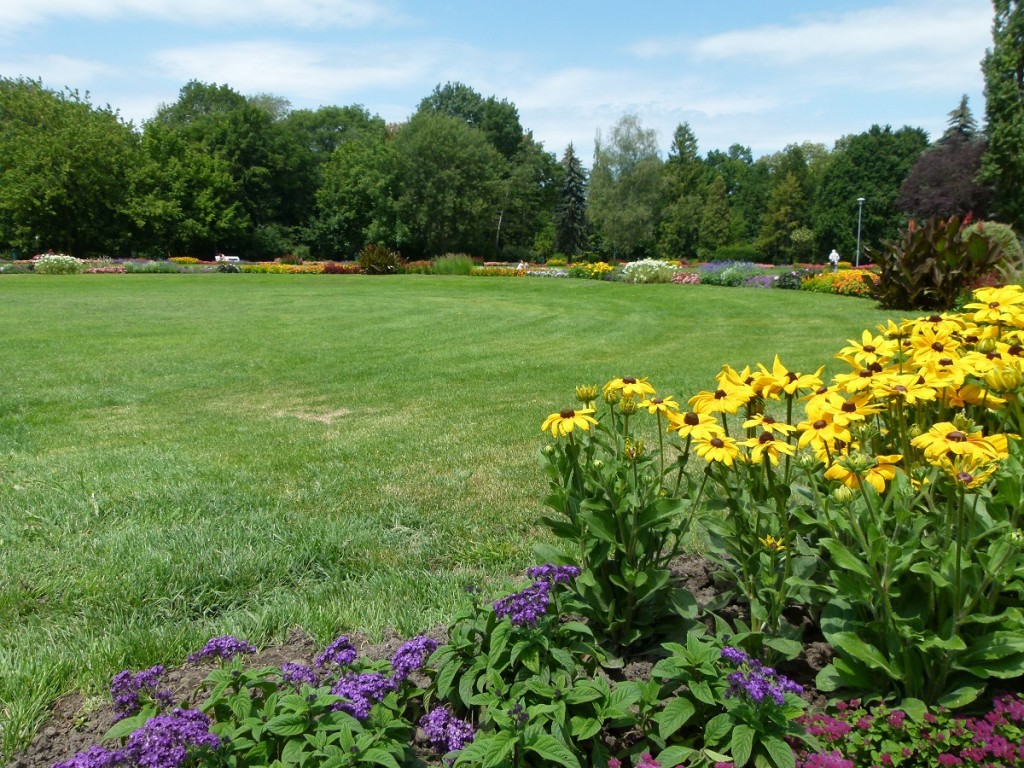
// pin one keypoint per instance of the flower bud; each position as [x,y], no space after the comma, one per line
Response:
[548,450]
[843,494]
[628,406]
[586,393]
[915,430]
[612,396]
[597,464]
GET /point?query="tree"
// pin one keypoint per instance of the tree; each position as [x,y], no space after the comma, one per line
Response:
[685,189]
[449,186]
[786,214]
[1003,67]
[715,219]
[571,214]
[944,180]
[498,120]
[871,165]
[626,189]
[62,168]
[355,201]
[747,186]
[254,148]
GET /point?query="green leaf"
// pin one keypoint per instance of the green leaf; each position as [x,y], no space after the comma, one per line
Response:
[583,728]
[742,743]
[844,558]
[780,752]
[551,750]
[674,716]
[674,755]
[962,696]
[129,725]
[848,642]
[499,639]
[717,728]
[378,756]
[286,725]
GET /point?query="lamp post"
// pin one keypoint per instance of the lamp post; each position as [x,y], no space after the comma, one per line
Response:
[860,216]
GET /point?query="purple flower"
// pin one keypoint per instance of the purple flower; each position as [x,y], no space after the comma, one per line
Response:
[526,607]
[827,760]
[554,574]
[411,656]
[339,653]
[165,740]
[127,688]
[756,681]
[646,761]
[297,674]
[361,692]
[445,731]
[222,647]
[94,757]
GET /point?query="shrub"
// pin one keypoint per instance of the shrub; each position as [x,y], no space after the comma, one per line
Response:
[845,282]
[379,260]
[557,261]
[59,264]
[452,264]
[913,735]
[151,267]
[497,272]
[932,264]
[336,268]
[728,273]
[420,267]
[1004,235]
[229,267]
[591,271]
[793,280]
[648,271]
[760,281]
[686,278]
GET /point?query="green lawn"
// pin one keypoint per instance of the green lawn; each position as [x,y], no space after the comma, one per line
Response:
[189,455]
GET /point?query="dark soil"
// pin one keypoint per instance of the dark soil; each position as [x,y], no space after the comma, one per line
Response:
[75,723]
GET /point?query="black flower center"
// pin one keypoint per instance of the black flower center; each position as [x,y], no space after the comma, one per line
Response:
[956,436]
[691,419]
[568,413]
[628,380]
[820,424]
[717,442]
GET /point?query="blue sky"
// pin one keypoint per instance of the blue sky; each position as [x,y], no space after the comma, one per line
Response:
[757,73]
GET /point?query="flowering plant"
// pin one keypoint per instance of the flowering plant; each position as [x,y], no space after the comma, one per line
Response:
[614,512]
[58,264]
[648,271]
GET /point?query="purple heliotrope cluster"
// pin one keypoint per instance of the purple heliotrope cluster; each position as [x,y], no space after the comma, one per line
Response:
[297,674]
[340,653]
[411,656]
[445,731]
[127,688]
[165,741]
[223,647]
[526,607]
[755,681]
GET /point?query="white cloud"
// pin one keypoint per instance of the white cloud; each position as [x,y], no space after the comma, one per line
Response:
[903,45]
[57,71]
[299,13]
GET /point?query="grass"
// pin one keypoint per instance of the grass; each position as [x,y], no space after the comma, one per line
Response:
[183,456]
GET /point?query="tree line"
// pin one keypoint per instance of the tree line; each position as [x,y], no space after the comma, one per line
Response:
[218,171]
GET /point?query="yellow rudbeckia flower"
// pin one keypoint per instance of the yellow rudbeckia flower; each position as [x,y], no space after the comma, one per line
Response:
[767,445]
[691,424]
[880,470]
[565,421]
[718,448]
[660,405]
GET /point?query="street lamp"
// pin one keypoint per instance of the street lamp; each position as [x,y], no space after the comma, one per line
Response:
[860,216]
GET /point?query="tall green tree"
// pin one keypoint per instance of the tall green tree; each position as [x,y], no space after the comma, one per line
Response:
[685,190]
[787,213]
[715,219]
[498,120]
[449,184]
[355,203]
[626,186]
[1003,68]
[871,165]
[571,236]
[747,185]
[63,164]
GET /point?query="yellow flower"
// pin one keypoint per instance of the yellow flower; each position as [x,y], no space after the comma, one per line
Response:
[909,387]
[948,438]
[660,405]
[768,424]
[721,400]
[564,422]
[767,445]
[972,394]
[858,380]
[870,349]
[845,412]
[781,380]
[933,343]
[696,425]
[586,394]
[968,470]
[629,386]
[997,305]
[718,448]
[877,473]
[770,542]
[822,432]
